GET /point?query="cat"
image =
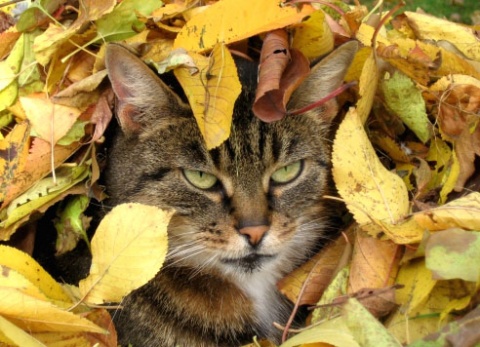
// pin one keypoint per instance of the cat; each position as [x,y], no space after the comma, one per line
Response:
[246,212]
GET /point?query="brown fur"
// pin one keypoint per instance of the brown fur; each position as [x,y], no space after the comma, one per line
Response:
[217,288]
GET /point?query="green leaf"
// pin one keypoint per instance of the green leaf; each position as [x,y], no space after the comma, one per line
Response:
[450,254]
[72,224]
[405,100]
[365,328]
[123,21]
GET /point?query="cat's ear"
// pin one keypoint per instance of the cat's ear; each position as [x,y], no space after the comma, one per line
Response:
[324,78]
[141,97]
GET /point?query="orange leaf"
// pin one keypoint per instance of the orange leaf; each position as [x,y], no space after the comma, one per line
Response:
[13,154]
[318,271]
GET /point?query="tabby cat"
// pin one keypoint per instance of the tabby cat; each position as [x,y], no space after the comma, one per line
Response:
[246,213]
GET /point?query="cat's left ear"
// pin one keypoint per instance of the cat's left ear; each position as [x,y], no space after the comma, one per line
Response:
[141,97]
[324,78]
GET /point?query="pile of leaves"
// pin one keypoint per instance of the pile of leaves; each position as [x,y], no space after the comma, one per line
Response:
[404,161]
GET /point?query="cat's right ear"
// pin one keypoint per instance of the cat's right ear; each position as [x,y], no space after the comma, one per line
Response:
[141,96]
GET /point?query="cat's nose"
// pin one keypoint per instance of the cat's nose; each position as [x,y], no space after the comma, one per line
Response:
[255,233]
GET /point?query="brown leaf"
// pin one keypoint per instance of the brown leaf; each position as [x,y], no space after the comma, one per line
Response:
[318,271]
[102,114]
[7,41]
[374,265]
[281,71]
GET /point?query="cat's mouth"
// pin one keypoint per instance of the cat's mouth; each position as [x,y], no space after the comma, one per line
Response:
[251,262]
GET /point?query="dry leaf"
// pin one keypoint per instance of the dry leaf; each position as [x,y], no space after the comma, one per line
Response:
[13,155]
[201,33]
[50,121]
[212,93]
[281,71]
[318,271]
[128,249]
[374,265]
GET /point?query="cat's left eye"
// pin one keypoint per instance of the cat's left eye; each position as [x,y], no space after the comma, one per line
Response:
[287,173]
[200,179]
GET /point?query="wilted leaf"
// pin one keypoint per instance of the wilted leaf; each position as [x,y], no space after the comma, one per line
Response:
[7,40]
[128,249]
[201,33]
[281,71]
[450,253]
[371,192]
[50,121]
[405,100]
[212,93]
[177,57]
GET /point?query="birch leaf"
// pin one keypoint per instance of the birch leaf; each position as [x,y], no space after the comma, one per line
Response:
[128,249]
[212,93]
[201,33]
[370,191]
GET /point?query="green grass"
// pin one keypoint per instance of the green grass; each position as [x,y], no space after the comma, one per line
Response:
[439,8]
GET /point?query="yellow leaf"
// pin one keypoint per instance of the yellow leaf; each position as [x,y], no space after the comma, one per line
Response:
[462,213]
[313,36]
[428,27]
[27,266]
[231,23]
[16,335]
[13,155]
[212,93]
[36,315]
[128,249]
[371,192]
[367,87]
[50,121]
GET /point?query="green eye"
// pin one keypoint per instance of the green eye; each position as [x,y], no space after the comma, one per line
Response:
[200,179]
[287,173]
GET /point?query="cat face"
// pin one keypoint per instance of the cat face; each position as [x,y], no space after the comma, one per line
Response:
[253,204]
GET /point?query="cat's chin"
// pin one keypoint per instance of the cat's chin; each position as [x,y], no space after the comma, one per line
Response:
[250,263]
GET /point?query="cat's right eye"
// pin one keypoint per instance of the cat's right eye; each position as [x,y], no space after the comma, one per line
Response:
[200,179]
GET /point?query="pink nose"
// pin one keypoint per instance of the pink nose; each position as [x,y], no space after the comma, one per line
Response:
[254,233]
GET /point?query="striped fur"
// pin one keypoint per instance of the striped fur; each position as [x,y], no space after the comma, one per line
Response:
[216,289]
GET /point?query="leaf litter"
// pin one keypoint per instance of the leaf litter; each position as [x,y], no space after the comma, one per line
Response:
[405,159]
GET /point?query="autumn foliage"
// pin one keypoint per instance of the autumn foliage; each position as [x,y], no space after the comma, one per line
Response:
[405,160]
